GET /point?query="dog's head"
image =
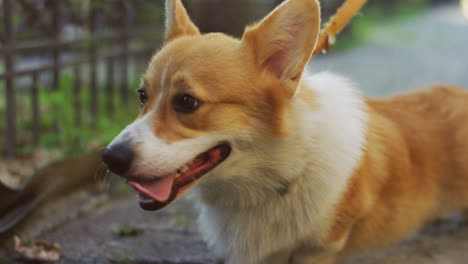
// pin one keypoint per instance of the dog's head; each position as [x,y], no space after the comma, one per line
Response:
[207,101]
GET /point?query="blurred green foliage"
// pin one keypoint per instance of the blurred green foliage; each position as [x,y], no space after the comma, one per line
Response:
[71,138]
[58,127]
[59,130]
[374,15]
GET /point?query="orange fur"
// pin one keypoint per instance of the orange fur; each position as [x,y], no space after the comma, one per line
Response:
[223,94]
[414,170]
[219,70]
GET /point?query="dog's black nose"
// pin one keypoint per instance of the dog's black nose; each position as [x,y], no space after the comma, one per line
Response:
[118,157]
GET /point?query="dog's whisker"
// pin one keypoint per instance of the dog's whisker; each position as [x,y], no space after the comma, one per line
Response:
[100,173]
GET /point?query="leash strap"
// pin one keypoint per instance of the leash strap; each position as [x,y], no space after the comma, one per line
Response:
[336,23]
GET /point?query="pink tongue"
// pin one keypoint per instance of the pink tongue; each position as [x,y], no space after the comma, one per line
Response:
[158,190]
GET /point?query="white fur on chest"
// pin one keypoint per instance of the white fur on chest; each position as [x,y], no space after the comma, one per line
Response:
[317,161]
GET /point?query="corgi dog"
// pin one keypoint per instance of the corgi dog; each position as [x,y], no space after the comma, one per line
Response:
[286,166]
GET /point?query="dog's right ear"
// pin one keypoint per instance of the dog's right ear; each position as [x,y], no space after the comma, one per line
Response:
[178,22]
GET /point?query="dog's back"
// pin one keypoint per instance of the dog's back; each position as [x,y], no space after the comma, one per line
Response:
[434,126]
[415,167]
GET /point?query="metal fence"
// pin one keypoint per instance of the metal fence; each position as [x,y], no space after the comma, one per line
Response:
[106,46]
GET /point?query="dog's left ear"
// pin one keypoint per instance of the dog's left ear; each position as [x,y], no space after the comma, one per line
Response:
[178,22]
[283,42]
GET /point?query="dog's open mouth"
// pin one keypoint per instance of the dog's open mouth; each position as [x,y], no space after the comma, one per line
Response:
[154,195]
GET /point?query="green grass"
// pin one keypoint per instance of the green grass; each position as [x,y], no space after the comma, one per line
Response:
[58,128]
[371,17]
[92,133]
[123,257]
[181,221]
[125,230]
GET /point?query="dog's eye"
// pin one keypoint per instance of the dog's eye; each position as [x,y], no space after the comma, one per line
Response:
[143,96]
[185,103]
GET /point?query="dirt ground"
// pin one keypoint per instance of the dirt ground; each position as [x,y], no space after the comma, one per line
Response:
[93,226]
[113,229]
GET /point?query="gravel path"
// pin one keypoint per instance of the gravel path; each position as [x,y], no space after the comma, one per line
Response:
[431,48]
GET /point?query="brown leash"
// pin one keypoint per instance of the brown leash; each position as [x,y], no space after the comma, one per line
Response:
[336,23]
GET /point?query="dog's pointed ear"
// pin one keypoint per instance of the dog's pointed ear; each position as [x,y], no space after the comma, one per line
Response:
[283,42]
[178,22]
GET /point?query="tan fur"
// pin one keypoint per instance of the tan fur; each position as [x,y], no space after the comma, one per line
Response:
[228,74]
[288,197]
[415,168]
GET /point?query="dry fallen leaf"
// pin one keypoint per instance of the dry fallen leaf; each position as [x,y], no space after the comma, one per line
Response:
[38,251]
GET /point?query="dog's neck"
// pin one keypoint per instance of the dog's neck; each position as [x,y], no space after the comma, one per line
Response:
[314,163]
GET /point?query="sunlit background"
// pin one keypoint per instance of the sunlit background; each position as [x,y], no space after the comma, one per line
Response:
[464,7]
